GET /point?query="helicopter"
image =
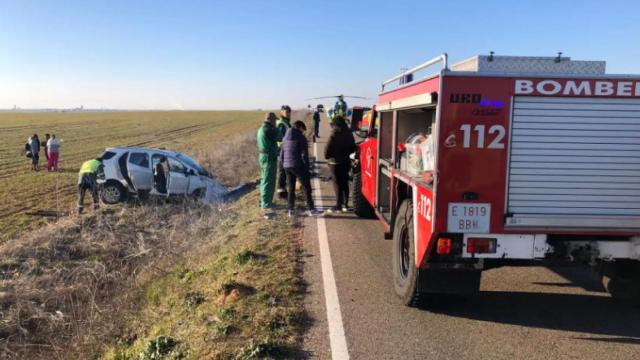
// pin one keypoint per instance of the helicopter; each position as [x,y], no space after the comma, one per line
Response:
[340,108]
[354,116]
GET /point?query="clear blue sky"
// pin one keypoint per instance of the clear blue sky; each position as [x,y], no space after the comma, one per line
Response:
[258,54]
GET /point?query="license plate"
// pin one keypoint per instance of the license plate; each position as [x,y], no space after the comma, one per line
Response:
[469,218]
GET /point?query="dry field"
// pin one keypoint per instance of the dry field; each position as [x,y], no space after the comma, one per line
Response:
[179,281]
[85,135]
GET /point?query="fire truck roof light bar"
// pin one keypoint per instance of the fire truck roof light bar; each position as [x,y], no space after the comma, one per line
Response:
[440,58]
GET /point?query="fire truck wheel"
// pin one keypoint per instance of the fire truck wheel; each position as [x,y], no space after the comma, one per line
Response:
[623,281]
[405,273]
[361,206]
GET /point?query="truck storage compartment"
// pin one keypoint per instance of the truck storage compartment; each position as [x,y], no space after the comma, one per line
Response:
[574,162]
[414,127]
[384,193]
[386,135]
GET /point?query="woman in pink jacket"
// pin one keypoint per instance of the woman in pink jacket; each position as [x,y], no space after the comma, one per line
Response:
[53,148]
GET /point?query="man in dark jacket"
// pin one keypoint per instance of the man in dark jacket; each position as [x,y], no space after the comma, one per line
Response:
[294,156]
[316,124]
[339,146]
[46,149]
[34,148]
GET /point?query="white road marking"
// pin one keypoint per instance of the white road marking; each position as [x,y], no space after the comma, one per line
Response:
[337,339]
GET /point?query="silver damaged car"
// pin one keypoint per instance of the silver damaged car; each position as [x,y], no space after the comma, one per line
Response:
[143,172]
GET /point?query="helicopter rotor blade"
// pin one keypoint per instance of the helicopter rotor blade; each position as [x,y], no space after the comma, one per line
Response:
[321,97]
[357,97]
[335,96]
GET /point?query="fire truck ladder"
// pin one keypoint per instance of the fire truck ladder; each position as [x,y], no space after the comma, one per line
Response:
[440,58]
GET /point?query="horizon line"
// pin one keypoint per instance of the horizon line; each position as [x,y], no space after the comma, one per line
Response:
[125,110]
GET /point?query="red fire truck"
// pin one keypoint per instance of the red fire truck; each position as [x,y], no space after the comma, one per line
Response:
[518,161]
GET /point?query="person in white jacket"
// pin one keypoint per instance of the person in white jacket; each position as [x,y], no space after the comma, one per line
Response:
[53,148]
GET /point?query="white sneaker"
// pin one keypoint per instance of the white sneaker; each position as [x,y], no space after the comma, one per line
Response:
[345,209]
[291,213]
[268,213]
[315,213]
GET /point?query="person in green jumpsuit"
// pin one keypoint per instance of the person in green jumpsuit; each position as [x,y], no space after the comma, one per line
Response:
[268,160]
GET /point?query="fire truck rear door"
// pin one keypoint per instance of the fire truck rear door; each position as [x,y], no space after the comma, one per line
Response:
[574,157]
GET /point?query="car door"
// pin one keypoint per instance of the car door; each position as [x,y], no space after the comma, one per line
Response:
[369,161]
[161,174]
[194,181]
[139,170]
[178,178]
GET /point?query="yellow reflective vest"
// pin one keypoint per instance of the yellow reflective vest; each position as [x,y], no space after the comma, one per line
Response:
[90,167]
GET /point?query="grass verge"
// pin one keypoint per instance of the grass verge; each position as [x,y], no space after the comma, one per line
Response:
[238,296]
[67,284]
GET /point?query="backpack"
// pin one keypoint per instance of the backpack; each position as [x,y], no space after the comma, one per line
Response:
[27,150]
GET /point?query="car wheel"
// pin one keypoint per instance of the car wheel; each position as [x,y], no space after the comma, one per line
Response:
[112,193]
[405,272]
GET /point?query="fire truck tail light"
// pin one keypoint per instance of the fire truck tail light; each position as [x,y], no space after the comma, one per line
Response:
[481,245]
[444,246]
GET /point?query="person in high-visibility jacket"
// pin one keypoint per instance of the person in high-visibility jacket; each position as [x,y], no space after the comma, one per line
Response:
[88,180]
[268,159]
[340,109]
[282,125]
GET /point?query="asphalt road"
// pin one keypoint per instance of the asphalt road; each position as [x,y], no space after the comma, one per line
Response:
[520,313]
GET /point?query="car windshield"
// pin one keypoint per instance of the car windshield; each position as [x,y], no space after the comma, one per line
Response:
[192,163]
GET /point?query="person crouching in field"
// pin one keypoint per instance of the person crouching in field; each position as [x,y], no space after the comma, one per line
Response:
[34,148]
[294,156]
[88,180]
[53,148]
[340,145]
[268,160]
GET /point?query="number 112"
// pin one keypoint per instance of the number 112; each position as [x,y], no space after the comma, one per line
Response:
[497,142]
